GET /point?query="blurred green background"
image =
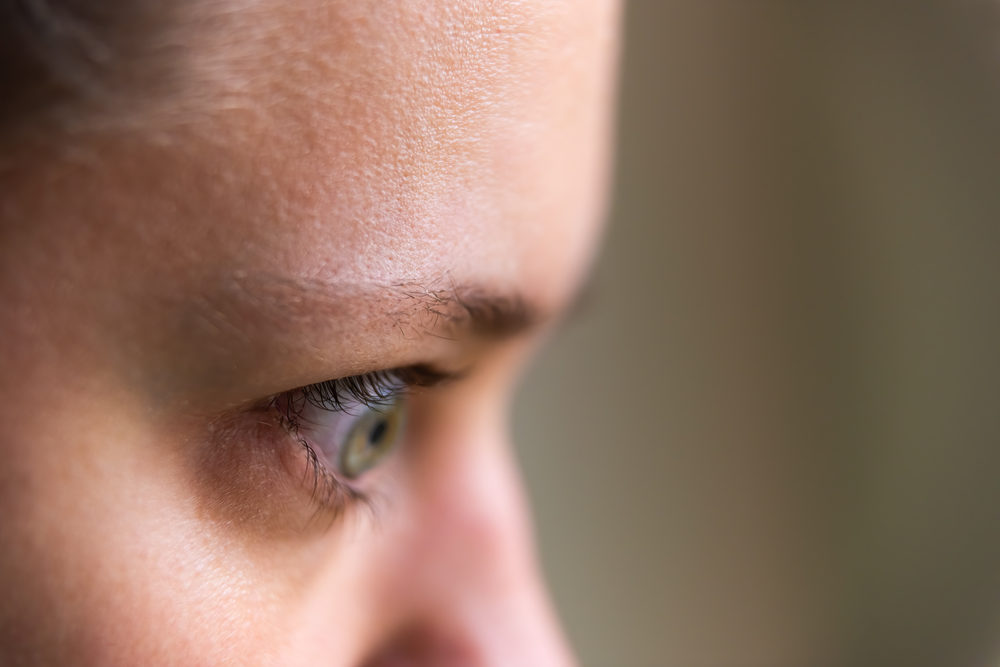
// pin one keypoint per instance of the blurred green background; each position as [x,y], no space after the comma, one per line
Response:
[773,438]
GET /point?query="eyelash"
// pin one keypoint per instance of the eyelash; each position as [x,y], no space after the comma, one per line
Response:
[328,491]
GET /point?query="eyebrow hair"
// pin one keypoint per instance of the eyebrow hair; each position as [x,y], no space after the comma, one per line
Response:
[263,329]
[451,311]
[478,311]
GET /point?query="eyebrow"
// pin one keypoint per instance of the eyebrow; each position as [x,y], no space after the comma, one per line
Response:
[260,330]
[414,308]
[476,310]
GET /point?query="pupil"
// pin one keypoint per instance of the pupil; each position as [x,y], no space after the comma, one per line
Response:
[377,432]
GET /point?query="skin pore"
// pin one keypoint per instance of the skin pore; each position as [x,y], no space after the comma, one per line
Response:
[333,189]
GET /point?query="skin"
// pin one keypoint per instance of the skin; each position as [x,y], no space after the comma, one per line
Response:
[325,175]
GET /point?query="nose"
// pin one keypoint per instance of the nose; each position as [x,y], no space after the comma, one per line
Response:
[482,602]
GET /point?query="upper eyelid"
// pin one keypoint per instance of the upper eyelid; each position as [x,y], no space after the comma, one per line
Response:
[367,389]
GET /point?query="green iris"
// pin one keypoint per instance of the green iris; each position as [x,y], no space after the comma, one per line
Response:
[371,437]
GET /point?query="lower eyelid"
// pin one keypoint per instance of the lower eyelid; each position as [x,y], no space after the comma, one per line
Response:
[252,475]
[242,472]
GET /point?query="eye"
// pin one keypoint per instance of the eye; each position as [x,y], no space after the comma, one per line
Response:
[350,437]
[355,438]
[350,425]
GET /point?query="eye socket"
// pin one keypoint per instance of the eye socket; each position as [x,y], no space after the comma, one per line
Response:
[373,435]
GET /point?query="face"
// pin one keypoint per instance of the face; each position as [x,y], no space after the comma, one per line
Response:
[260,332]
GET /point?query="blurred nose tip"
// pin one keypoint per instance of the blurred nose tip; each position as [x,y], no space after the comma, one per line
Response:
[426,647]
[470,628]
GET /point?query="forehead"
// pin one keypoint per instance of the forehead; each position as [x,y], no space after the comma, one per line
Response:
[454,142]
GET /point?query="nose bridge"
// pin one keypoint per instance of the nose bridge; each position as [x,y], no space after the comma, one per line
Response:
[482,598]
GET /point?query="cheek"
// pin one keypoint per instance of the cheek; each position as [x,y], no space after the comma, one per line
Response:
[115,565]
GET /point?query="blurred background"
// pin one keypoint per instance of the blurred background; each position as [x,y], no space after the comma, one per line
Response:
[773,438]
